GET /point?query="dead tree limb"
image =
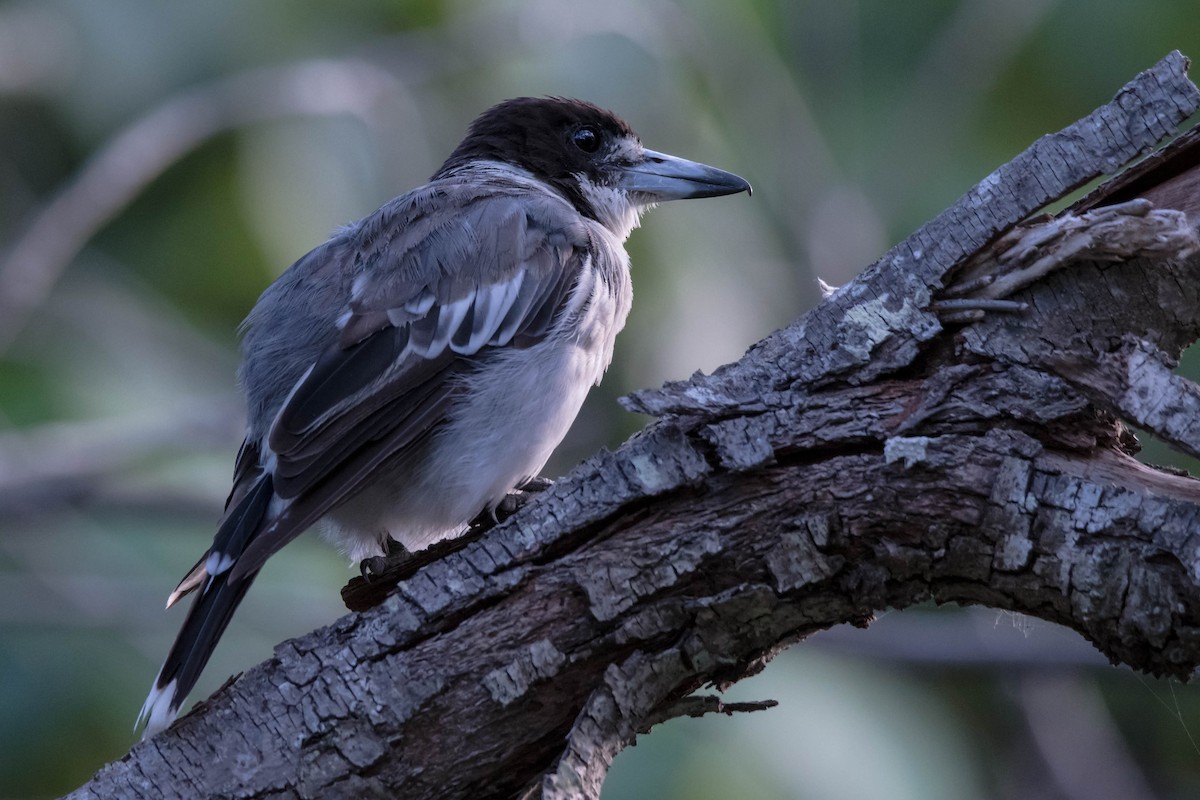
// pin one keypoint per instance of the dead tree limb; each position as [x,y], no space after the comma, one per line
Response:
[872,455]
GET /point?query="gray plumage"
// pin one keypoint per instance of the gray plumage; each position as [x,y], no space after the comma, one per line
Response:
[412,370]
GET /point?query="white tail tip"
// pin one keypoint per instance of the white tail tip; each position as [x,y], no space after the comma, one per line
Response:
[159,710]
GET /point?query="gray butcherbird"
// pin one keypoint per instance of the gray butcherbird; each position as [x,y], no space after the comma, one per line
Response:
[409,372]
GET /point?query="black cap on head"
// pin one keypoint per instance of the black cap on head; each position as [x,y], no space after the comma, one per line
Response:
[538,133]
[554,138]
[577,148]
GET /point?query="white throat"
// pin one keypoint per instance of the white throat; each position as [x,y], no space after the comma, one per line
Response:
[614,208]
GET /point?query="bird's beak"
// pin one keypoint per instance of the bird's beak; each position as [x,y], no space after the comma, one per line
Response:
[659,177]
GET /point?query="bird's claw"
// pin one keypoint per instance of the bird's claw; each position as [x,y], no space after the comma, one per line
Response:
[375,566]
[371,567]
[535,484]
[511,503]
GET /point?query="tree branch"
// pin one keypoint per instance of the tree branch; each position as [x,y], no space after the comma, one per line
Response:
[866,457]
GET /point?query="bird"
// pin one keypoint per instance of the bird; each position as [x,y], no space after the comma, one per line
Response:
[404,376]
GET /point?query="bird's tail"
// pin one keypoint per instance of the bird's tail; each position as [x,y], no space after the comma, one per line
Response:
[221,589]
[206,621]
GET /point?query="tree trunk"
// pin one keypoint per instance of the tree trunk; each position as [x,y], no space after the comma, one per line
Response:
[891,446]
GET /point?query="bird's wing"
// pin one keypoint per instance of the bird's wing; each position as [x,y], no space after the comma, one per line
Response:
[428,306]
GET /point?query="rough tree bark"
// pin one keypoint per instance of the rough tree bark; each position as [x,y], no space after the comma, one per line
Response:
[889,447]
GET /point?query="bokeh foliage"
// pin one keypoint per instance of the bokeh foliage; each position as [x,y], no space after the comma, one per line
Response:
[856,122]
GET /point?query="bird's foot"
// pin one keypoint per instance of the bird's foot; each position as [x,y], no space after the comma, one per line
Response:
[518,497]
[534,485]
[375,566]
[380,573]
[510,504]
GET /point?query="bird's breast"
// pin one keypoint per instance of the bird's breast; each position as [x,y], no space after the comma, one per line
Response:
[599,305]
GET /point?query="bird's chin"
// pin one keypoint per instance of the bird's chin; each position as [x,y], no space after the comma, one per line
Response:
[618,210]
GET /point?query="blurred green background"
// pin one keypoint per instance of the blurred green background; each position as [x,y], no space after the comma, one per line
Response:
[161,163]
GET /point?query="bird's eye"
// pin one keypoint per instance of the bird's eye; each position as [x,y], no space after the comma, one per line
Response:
[586,139]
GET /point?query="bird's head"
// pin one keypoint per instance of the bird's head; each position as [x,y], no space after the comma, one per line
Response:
[589,155]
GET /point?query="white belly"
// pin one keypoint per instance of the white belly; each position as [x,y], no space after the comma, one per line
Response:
[516,411]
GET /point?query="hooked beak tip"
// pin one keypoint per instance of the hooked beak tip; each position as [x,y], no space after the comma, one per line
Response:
[661,177]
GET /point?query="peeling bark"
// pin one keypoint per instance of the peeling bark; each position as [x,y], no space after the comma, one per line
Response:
[869,456]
